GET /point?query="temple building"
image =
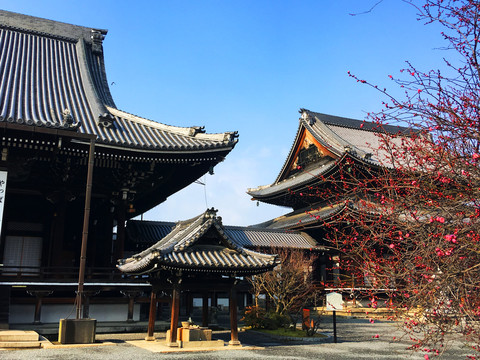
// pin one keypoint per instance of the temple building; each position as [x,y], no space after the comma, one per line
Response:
[207,258]
[196,256]
[73,167]
[324,146]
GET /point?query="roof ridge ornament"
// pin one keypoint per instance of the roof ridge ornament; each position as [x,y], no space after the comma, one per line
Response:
[230,136]
[211,213]
[106,120]
[194,130]
[97,40]
[68,120]
[306,116]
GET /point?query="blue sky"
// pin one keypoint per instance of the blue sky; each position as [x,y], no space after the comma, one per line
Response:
[247,66]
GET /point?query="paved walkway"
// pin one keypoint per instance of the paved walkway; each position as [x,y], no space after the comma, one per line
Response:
[357,339]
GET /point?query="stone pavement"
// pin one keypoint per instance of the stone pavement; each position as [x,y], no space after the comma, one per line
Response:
[357,339]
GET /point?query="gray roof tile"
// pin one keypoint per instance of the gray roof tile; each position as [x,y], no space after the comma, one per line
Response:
[185,248]
[52,75]
[342,136]
[254,237]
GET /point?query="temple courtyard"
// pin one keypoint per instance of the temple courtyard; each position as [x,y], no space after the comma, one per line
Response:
[357,339]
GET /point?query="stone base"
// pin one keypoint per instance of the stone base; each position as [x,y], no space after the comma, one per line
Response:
[150,338]
[173,344]
[16,339]
[77,331]
[201,344]
[234,343]
[18,335]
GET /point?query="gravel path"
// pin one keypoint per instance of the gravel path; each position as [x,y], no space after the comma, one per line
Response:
[357,339]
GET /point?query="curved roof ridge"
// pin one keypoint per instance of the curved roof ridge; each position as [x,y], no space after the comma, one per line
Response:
[363,125]
[285,163]
[192,131]
[326,136]
[45,27]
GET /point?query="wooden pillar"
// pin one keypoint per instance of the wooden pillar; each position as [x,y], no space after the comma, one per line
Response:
[172,336]
[232,304]
[131,295]
[120,242]
[86,221]
[86,306]
[58,232]
[189,304]
[159,310]
[38,309]
[151,316]
[205,309]
[131,304]
[39,295]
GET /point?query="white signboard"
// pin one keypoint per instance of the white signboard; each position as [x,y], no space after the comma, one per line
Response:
[334,301]
[3,191]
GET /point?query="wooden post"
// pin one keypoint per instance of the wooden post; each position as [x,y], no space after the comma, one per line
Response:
[188,304]
[172,337]
[205,309]
[58,232]
[151,316]
[334,314]
[86,219]
[39,295]
[86,305]
[120,241]
[38,310]
[131,304]
[232,304]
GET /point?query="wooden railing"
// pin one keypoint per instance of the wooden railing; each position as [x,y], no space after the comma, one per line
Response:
[62,274]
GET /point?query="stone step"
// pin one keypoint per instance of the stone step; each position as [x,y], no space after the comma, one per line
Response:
[19,344]
[18,336]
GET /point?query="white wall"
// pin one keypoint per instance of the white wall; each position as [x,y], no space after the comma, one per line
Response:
[24,314]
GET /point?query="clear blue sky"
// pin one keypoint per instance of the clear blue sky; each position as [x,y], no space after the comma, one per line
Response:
[247,66]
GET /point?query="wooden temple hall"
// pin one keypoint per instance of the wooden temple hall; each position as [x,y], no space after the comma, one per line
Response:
[73,167]
[74,172]
[323,145]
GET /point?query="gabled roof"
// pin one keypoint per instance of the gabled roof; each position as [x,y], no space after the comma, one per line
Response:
[53,75]
[255,237]
[316,215]
[336,137]
[199,244]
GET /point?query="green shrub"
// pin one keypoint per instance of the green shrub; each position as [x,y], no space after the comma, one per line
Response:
[258,318]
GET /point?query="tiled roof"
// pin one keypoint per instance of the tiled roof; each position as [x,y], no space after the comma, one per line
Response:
[188,247]
[341,136]
[306,217]
[254,237]
[52,75]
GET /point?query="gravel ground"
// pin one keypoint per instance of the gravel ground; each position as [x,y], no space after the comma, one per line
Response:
[357,339]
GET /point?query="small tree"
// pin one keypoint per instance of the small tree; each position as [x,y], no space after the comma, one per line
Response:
[414,225]
[289,286]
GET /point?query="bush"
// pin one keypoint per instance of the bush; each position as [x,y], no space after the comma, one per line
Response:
[258,318]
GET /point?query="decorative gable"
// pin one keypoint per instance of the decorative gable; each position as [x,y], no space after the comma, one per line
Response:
[306,152]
